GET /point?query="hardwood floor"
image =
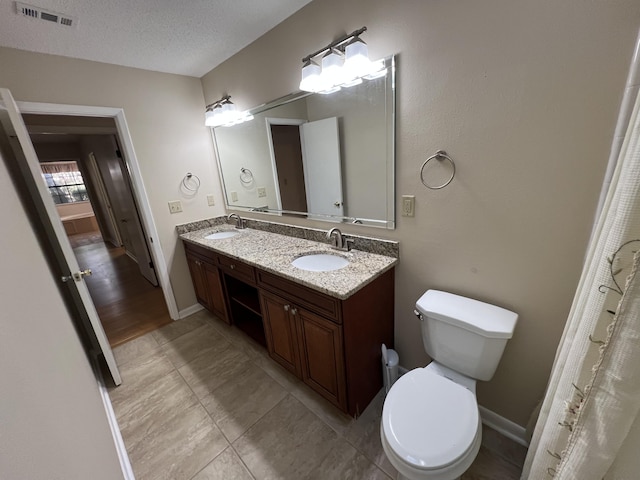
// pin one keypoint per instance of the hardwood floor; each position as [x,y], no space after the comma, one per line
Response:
[128,305]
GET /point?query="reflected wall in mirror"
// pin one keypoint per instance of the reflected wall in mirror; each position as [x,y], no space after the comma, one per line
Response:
[324,157]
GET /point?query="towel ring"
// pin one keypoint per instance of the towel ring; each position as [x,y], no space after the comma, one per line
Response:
[246,176]
[191,182]
[440,154]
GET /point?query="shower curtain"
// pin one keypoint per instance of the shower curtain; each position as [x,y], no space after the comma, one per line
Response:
[589,427]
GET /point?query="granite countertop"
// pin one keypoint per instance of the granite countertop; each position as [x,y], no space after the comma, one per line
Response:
[274,253]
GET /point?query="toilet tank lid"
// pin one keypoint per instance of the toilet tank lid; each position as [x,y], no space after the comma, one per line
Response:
[479,317]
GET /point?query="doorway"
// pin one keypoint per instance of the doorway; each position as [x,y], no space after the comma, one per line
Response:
[89,181]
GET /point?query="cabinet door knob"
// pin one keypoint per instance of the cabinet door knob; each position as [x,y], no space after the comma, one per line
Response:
[294,311]
[232,266]
[286,308]
[198,262]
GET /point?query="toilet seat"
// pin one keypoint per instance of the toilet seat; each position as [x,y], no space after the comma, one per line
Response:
[429,421]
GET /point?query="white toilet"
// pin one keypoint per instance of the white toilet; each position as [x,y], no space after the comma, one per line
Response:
[431,426]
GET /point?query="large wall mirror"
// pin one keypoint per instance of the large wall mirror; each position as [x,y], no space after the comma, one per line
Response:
[319,156]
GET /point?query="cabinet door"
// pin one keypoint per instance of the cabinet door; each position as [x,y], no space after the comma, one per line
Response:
[279,328]
[321,355]
[216,293]
[199,279]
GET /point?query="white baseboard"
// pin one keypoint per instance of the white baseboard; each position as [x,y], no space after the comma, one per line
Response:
[491,419]
[504,426]
[190,310]
[123,456]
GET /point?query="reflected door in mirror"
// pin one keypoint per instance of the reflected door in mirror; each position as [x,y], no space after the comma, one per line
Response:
[287,152]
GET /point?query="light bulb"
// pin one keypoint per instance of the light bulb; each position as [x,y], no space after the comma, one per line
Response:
[332,69]
[356,62]
[310,77]
[209,118]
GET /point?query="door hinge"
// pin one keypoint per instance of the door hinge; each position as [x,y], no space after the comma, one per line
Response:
[118,154]
[151,265]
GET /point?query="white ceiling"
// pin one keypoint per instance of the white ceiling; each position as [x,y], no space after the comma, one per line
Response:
[175,36]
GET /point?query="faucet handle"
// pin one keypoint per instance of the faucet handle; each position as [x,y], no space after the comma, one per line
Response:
[348,244]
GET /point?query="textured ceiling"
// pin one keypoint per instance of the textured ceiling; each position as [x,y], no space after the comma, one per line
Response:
[184,37]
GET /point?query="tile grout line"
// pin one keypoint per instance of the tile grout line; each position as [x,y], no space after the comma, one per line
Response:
[289,393]
[159,349]
[208,414]
[230,444]
[245,432]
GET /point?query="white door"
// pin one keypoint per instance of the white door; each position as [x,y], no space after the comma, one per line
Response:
[322,168]
[116,179]
[73,275]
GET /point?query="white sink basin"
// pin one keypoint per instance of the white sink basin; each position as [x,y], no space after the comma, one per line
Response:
[320,262]
[220,235]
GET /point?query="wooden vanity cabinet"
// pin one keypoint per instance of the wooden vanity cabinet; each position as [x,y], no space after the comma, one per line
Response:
[333,345]
[207,280]
[280,332]
[322,357]
[215,288]
[196,269]
[306,344]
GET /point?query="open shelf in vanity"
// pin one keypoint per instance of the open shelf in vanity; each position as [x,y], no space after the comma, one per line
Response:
[244,307]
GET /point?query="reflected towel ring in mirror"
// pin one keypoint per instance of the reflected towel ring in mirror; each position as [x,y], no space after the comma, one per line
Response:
[439,155]
[191,182]
[246,176]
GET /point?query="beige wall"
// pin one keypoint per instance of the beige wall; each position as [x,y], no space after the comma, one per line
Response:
[52,419]
[165,115]
[524,96]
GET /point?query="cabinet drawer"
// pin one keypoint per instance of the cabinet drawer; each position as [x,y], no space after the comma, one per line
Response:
[200,251]
[303,296]
[237,269]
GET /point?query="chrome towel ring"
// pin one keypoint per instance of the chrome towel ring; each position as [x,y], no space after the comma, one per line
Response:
[439,155]
[191,182]
[246,176]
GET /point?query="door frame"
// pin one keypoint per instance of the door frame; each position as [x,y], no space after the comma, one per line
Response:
[133,167]
[294,122]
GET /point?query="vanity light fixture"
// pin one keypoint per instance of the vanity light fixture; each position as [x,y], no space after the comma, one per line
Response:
[223,112]
[345,63]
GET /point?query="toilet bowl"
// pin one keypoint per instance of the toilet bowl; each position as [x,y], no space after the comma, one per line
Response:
[430,426]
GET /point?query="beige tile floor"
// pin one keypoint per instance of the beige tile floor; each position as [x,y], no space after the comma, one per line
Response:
[202,401]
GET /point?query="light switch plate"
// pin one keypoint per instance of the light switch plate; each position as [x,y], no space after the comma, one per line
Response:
[408,205]
[262,192]
[210,200]
[234,196]
[175,206]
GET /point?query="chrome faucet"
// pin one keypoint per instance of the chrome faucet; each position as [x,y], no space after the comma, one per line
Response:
[338,241]
[335,237]
[240,223]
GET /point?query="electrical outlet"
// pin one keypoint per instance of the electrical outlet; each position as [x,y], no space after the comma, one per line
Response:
[175,206]
[262,192]
[234,196]
[210,200]
[408,205]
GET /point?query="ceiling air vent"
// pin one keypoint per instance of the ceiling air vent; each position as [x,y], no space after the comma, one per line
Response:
[47,15]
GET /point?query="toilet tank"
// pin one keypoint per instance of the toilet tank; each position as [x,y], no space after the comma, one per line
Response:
[465,335]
